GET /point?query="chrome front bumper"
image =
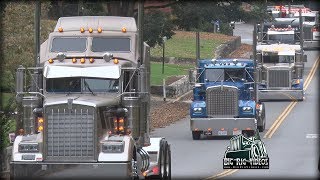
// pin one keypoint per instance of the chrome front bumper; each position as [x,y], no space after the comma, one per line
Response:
[282,94]
[218,125]
[28,170]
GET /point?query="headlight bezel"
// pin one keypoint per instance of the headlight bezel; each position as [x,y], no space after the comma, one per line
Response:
[112,146]
[29,147]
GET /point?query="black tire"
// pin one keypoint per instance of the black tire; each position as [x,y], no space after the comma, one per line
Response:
[168,175]
[196,135]
[162,159]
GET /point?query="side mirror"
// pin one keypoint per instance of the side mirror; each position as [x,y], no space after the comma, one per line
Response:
[259,36]
[192,79]
[305,58]
[12,137]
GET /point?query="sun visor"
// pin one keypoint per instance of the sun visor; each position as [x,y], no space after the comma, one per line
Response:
[112,72]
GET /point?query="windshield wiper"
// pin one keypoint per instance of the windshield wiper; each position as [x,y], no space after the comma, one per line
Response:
[71,86]
[87,86]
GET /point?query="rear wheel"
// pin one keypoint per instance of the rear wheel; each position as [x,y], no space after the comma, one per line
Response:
[196,135]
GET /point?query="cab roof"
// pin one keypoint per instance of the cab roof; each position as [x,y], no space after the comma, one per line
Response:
[109,23]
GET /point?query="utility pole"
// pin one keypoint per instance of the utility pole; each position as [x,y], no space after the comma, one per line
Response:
[37,15]
[197,47]
[254,44]
[140,26]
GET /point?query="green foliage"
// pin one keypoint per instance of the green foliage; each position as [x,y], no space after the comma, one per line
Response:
[169,70]
[7,123]
[201,15]
[157,24]
[7,81]
[183,45]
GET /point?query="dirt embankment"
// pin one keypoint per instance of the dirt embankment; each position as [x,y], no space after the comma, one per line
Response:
[244,51]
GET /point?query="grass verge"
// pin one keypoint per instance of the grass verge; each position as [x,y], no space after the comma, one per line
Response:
[169,70]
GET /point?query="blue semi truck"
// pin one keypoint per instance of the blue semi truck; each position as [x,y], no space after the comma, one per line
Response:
[224,99]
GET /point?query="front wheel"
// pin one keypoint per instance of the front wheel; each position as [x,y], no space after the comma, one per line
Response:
[196,135]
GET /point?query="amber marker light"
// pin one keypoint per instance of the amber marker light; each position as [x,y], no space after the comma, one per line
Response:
[91,60]
[115,61]
[90,30]
[74,60]
[82,30]
[50,61]
[99,30]
[124,29]
[60,29]
[82,60]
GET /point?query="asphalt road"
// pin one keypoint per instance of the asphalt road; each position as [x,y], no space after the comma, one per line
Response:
[291,153]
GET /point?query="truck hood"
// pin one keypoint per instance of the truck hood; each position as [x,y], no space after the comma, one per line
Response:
[87,99]
[237,84]
[272,65]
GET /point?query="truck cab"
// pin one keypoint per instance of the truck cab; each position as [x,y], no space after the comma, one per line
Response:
[89,105]
[224,99]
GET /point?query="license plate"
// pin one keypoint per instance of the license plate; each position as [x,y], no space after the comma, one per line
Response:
[236,132]
[222,133]
[208,133]
[28,157]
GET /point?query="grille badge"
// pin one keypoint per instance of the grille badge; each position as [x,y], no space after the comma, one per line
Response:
[70,101]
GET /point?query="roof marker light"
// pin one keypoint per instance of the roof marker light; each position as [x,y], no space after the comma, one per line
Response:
[235,61]
[50,61]
[99,30]
[115,61]
[124,29]
[60,29]
[82,30]
[91,60]
[74,60]
[82,60]
[90,30]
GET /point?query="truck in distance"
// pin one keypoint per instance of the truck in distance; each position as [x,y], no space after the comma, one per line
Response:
[224,99]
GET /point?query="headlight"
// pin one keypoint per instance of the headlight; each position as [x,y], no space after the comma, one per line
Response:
[112,146]
[246,108]
[26,148]
[296,81]
[197,110]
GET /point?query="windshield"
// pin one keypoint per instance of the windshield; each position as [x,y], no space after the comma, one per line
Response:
[81,85]
[69,44]
[224,74]
[283,38]
[309,19]
[278,59]
[110,44]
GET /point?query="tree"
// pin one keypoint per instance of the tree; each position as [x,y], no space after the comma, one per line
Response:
[157,24]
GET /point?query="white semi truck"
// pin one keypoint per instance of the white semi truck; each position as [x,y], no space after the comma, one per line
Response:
[87,111]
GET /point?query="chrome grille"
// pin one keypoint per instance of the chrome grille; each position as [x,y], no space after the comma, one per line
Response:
[70,133]
[222,101]
[278,78]
[307,33]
